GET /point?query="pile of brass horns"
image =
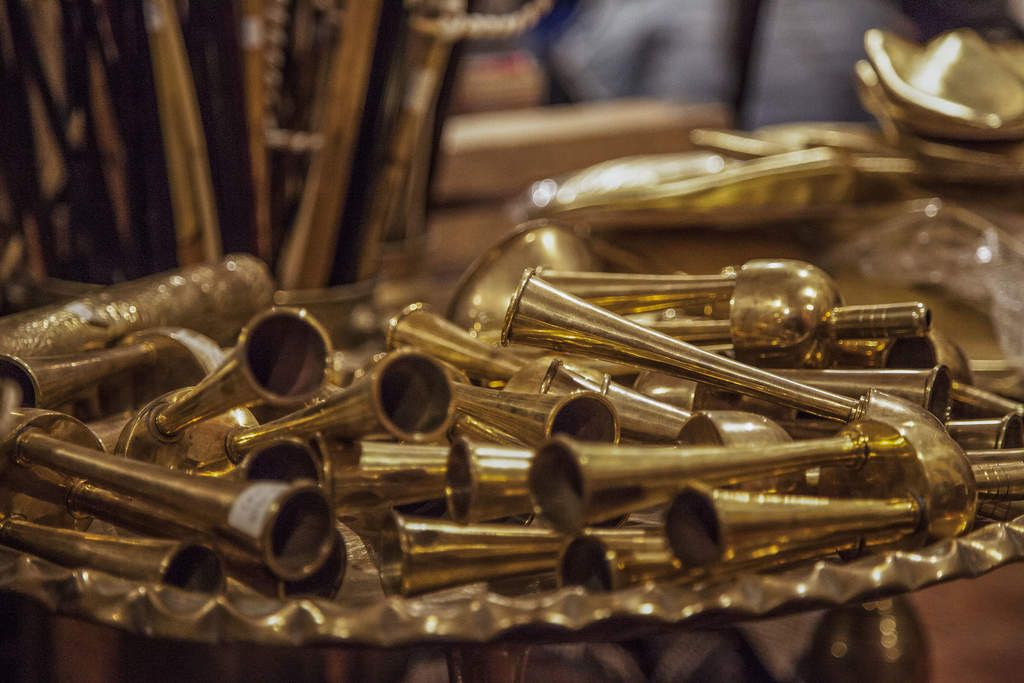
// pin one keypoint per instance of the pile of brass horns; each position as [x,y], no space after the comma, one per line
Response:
[589,449]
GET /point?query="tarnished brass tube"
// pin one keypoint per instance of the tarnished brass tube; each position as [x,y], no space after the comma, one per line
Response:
[640,417]
[371,474]
[407,395]
[288,525]
[419,555]
[972,401]
[998,480]
[637,293]
[425,331]
[872,321]
[574,483]
[609,559]
[930,389]
[700,331]
[708,527]
[287,459]
[1004,432]
[50,381]
[485,482]
[540,315]
[190,566]
[212,299]
[529,419]
[280,358]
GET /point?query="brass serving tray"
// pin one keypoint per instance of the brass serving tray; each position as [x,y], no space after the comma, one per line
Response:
[362,616]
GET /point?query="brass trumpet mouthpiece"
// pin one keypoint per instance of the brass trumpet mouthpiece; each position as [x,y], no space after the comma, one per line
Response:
[212,299]
[190,566]
[707,527]
[1002,432]
[406,395]
[419,555]
[288,525]
[485,482]
[529,419]
[417,327]
[641,417]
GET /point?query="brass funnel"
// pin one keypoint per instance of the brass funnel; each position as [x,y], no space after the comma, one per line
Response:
[287,525]
[181,564]
[374,474]
[419,555]
[641,417]
[407,395]
[485,482]
[417,327]
[529,419]
[540,315]
[708,527]
[1002,432]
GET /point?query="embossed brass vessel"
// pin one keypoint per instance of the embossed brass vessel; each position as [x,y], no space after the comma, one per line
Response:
[419,555]
[287,525]
[641,417]
[182,564]
[485,482]
[407,395]
[528,419]
[280,358]
[707,527]
[481,295]
[215,300]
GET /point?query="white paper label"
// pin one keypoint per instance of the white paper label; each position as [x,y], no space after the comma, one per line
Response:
[250,511]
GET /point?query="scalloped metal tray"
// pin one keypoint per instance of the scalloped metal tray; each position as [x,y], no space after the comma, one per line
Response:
[361,615]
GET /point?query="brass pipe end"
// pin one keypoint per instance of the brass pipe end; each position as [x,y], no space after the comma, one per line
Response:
[558,487]
[285,460]
[17,370]
[513,306]
[326,581]
[414,396]
[586,562]
[298,531]
[693,529]
[194,567]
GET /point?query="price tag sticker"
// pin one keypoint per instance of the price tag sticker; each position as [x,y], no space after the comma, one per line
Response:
[250,511]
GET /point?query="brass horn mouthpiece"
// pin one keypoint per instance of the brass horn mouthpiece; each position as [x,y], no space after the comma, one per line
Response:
[541,315]
[609,559]
[529,419]
[280,358]
[407,395]
[212,299]
[417,327]
[708,527]
[418,555]
[1002,432]
[374,474]
[641,417]
[189,566]
[485,482]
[288,525]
